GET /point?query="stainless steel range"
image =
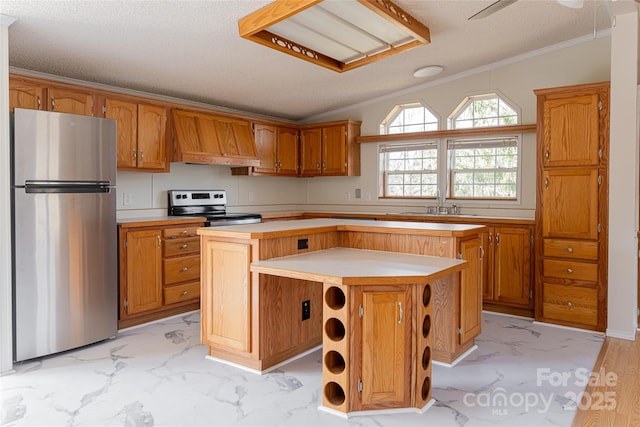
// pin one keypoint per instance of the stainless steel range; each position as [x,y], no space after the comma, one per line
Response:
[211,204]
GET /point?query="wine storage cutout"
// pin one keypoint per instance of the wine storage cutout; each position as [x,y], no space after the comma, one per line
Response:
[426,357]
[335,298]
[426,295]
[426,388]
[334,329]
[426,326]
[334,362]
[334,393]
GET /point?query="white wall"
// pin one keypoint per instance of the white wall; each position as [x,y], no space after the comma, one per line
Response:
[623,181]
[586,62]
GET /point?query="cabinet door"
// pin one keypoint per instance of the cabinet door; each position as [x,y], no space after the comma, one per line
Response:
[287,151]
[334,150]
[571,132]
[310,152]
[70,101]
[126,116]
[512,266]
[235,137]
[266,144]
[152,127]
[471,290]
[144,271]
[226,295]
[487,264]
[386,347]
[570,203]
[25,95]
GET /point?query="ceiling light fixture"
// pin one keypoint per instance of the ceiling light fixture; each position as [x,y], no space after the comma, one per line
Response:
[338,35]
[428,71]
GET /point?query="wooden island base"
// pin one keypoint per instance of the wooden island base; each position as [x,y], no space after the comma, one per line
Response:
[381,315]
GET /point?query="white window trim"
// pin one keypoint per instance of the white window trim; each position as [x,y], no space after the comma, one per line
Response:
[486,95]
[443,183]
[393,113]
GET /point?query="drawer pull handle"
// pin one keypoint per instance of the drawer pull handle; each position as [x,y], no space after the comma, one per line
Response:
[184,232]
[185,246]
[401,313]
[184,294]
[569,304]
[569,270]
[185,268]
[570,250]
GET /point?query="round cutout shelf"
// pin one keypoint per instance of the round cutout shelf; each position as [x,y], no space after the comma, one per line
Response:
[334,362]
[334,298]
[334,329]
[426,357]
[426,326]
[426,386]
[334,393]
[426,295]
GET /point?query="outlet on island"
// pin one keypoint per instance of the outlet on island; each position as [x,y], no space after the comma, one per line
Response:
[303,243]
[306,310]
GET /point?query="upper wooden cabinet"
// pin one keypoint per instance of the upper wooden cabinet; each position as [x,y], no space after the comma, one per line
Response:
[36,95]
[570,128]
[330,149]
[277,149]
[210,139]
[141,134]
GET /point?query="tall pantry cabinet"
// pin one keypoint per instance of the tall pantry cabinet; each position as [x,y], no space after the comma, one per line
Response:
[572,205]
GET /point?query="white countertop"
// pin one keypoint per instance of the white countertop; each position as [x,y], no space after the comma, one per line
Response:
[265,229]
[359,267]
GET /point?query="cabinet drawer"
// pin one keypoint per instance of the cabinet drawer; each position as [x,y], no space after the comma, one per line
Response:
[571,249]
[178,293]
[184,246]
[570,303]
[181,269]
[176,232]
[570,270]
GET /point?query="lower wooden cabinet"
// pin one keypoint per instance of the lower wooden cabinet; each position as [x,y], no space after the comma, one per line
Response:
[508,262]
[159,271]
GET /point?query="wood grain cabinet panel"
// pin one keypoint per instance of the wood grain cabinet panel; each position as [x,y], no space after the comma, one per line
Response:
[571,130]
[277,149]
[227,263]
[64,100]
[24,94]
[471,290]
[572,205]
[159,276]
[330,149]
[141,134]
[384,337]
[144,271]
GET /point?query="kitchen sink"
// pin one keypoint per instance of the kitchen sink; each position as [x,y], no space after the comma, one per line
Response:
[428,214]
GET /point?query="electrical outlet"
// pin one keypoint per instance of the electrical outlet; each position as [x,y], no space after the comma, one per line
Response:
[251,198]
[347,195]
[306,310]
[127,199]
[367,195]
[358,193]
[303,243]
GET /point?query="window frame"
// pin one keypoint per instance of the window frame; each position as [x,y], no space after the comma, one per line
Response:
[517,140]
[398,109]
[451,120]
[383,172]
[443,173]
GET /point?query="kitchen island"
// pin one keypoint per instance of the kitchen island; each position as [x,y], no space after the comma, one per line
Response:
[252,312]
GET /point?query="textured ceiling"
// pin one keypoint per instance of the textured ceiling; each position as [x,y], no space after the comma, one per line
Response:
[191,49]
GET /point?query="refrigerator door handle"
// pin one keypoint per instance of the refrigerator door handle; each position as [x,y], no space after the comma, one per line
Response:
[35,188]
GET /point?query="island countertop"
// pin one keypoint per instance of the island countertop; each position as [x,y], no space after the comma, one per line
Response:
[303,226]
[346,266]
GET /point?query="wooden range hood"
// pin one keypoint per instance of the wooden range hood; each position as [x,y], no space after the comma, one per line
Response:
[216,140]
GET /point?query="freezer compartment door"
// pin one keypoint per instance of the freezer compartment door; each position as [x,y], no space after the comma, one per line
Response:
[65,271]
[49,146]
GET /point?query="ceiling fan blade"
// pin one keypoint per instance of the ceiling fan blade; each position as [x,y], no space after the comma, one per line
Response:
[492,8]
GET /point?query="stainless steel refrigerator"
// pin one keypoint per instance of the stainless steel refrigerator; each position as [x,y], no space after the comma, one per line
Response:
[64,234]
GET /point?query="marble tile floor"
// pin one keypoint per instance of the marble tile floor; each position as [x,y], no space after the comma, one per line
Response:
[523,374]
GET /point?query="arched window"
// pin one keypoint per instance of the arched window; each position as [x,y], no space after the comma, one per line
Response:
[405,118]
[483,110]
